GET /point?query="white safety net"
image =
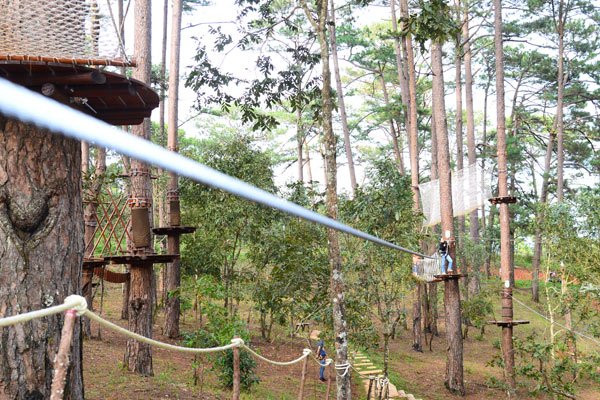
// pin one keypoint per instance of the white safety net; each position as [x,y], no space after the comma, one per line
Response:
[59,29]
[470,189]
[425,269]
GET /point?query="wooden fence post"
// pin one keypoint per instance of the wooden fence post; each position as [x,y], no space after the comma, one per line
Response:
[236,371]
[61,360]
[329,379]
[303,376]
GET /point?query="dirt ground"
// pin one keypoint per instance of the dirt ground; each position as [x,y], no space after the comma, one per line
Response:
[421,374]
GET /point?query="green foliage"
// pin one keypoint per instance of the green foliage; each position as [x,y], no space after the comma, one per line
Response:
[291,266]
[220,328]
[478,308]
[226,223]
[433,22]
[551,370]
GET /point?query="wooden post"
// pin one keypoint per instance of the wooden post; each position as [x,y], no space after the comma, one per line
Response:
[236,372]
[61,361]
[303,376]
[370,388]
[329,379]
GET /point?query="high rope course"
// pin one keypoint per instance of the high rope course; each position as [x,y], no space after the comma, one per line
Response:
[86,128]
[18,102]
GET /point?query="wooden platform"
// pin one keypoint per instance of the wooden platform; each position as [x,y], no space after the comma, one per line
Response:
[91,263]
[173,230]
[444,277]
[509,323]
[108,96]
[138,260]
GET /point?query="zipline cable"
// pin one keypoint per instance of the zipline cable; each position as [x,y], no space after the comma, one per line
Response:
[19,102]
[596,341]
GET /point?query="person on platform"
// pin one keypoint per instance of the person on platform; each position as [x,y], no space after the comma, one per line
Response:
[444,251]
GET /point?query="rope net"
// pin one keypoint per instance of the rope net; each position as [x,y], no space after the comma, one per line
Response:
[470,189]
[58,29]
[424,269]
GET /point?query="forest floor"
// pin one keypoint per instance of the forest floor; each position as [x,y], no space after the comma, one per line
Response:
[421,374]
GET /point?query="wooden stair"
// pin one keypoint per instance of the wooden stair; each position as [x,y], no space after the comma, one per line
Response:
[367,370]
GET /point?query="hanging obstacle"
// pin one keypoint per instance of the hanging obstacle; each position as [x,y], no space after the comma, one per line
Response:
[48,46]
[471,187]
[426,269]
[81,32]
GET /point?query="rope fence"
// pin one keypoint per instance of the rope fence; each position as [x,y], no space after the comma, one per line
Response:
[20,103]
[75,305]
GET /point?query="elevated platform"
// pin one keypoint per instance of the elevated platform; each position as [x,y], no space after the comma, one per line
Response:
[108,96]
[445,277]
[91,263]
[509,323]
[173,230]
[141,260]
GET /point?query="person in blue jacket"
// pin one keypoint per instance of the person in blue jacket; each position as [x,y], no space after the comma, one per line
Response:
[322,357]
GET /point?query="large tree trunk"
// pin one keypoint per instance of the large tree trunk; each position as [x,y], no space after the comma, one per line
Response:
[505,245]
[410,100]
[454,363]
[341,103]
[394,133]
[41,242]
[138,356]
[173,275]
[335,260]
[560,150]
[474,285]
[300,144]
[417,331]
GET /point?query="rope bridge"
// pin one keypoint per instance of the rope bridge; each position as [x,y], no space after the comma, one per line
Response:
[425,269]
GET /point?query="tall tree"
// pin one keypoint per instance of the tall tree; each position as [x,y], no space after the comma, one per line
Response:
[454,363]
[505,245]
[173,275]
[472,156]
[138,356]
[41,241]
[318,18]
[340,95]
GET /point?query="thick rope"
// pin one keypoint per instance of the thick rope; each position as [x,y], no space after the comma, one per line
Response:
[305,353]
[18,102]
[156,343]
[72,302]
[79,304]
[343,367]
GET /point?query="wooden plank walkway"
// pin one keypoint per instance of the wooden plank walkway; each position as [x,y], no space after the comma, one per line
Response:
[367,371]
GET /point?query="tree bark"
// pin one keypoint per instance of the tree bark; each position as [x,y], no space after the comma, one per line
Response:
[173,275]
[417,332]
[335,260]
[41,243]
[138,356]
[300,144]
[560,25]
[505,244]
[341,103]
[474,281]
[454,364]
